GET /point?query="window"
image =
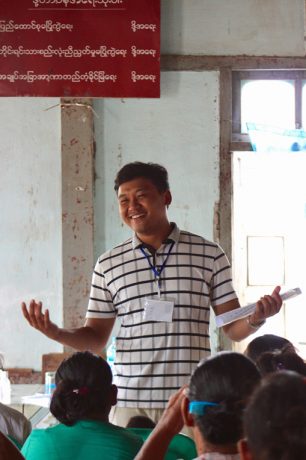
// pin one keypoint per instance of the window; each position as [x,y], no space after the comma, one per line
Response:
[275,98]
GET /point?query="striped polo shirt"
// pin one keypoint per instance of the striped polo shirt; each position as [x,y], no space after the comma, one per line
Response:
[155,358]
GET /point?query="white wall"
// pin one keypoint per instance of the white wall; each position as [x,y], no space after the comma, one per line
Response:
[30,224]
[181,131]
[233,27]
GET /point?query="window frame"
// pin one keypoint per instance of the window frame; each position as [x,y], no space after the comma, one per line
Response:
[241,141]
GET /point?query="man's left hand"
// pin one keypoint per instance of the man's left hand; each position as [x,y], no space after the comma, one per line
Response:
[266,306]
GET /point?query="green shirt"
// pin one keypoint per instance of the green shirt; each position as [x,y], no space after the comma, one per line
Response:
[86,439]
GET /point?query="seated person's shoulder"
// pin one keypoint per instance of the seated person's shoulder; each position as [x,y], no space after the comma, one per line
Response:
[14,424]
[126,434]
[9,413]
[8,450]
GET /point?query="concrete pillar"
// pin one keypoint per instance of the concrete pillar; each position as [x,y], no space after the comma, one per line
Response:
[77,207]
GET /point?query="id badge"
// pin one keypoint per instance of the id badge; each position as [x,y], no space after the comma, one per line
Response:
[158,310]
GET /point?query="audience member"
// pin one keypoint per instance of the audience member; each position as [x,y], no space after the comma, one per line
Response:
[266,342]
[12,422]
[218,392]
[285,359]
[81,402]
[275,419]
[8,451]
[14,425]
[140,421]
[273,353]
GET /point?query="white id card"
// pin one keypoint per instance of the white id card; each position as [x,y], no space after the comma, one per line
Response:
[158,310]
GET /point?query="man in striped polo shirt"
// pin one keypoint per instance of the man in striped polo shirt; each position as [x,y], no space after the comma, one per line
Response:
[160,284]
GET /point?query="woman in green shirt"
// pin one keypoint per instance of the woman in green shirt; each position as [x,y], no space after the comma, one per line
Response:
[81,402]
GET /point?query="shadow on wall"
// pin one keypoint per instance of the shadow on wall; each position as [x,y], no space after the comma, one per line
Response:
[171,20]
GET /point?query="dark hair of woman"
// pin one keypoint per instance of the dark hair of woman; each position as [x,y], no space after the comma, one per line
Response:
[83,388]
[285,359]
[156,173]
[140,421]
[266,342]
[275,419]
[228,380]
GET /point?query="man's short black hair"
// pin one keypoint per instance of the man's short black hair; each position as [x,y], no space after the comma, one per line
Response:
[156,173]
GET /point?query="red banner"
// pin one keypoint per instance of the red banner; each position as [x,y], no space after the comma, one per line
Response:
[84,48]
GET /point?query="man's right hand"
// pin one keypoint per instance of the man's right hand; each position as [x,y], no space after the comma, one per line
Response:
[92,336]
[40,320]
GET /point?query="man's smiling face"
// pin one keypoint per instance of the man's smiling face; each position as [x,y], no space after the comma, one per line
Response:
[142,206]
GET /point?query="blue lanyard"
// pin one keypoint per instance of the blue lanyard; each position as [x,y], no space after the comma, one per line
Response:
[156,272]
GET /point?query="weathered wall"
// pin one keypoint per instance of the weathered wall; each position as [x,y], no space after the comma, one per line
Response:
[233,27]
[30,224]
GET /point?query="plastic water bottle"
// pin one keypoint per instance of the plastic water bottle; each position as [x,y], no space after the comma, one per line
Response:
[111,354]
[5,388]
[49,382]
